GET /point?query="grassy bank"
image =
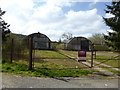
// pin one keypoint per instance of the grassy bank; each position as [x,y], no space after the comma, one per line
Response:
[111,70]
[53,59]
[48,54]
[104,57]
[22,69]
[108,60]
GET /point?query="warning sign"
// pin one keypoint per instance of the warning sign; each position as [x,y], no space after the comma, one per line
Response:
[82,53]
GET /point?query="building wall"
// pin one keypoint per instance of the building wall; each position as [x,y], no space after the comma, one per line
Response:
[79,43]
[41,41]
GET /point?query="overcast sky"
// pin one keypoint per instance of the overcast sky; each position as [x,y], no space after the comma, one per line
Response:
[55,17]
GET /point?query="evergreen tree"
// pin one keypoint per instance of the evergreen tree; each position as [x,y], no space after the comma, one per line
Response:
[4,27]
[113,38]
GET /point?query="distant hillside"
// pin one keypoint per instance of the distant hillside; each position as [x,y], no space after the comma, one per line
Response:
[18,36]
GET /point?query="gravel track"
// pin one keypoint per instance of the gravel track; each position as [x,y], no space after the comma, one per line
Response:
[16,81]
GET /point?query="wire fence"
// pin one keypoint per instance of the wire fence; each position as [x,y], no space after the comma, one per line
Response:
[13,49]
[19,49]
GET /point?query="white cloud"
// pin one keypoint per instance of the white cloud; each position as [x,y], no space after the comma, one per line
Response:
[108,15]
[50,19]
[84,35]
[109,30]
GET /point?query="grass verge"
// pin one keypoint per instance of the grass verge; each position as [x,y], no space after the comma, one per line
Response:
[108,60]
[58,60]
[22,69]
[48,54]
[106,57]
[111,70]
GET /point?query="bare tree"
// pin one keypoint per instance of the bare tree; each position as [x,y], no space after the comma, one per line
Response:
[97,38]
[66,36]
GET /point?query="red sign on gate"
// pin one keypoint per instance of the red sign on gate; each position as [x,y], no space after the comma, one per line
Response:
[82,53]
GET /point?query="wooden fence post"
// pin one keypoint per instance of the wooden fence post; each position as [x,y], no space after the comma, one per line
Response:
[30,52]
[94,54]
[12,49]
[91,58]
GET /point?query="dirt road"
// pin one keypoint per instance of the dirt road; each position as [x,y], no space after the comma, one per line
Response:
[15,81]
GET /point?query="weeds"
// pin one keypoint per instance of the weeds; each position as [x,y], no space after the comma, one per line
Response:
[23,70]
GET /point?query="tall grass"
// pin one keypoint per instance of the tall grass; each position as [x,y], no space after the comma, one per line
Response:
[23,70]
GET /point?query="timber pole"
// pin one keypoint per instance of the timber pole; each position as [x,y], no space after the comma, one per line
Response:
[91,58]
[30,52]
[11,53]
[92,55]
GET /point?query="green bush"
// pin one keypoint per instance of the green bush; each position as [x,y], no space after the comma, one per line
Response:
[101,47]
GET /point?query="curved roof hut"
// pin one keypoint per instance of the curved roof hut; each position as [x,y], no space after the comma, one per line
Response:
[40,41]
[79,43]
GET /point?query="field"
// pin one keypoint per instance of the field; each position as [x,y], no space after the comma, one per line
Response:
[109,58]
[48,64]
[53,59]
[52,64]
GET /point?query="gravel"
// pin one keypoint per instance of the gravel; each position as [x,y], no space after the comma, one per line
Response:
[16,81]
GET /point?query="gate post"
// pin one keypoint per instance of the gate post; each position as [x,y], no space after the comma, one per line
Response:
[30,52]
[92,55]
[11,51]
[91,58]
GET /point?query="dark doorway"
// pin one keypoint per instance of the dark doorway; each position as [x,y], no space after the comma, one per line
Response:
[84,45]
